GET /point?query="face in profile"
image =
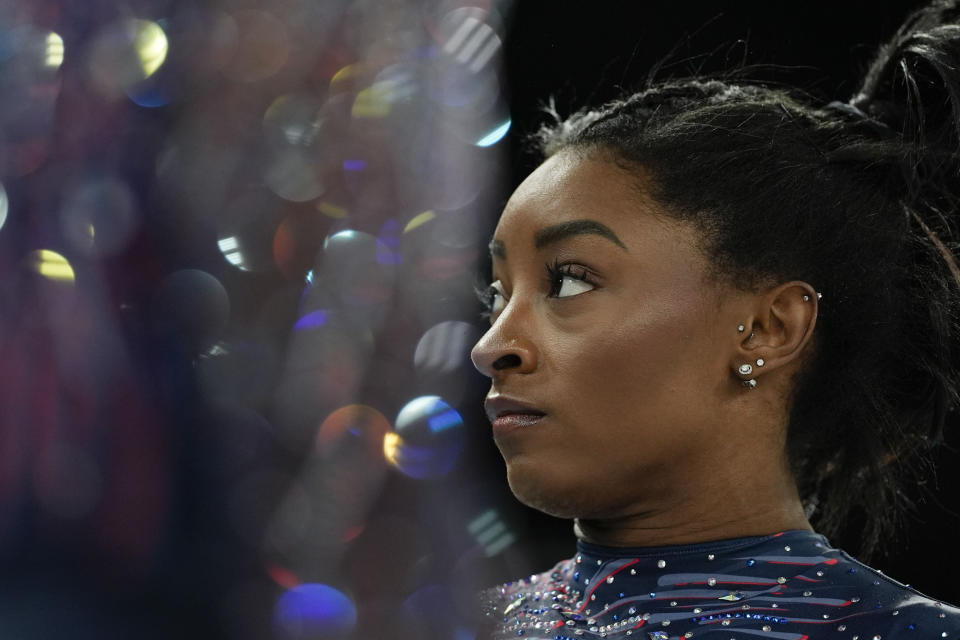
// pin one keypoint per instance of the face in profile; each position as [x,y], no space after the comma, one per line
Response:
[602,349]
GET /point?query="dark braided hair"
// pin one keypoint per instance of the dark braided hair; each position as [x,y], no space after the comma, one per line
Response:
[858,199]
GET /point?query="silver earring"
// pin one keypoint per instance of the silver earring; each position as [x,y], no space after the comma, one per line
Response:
[806,298]
[760,362]
[741,329]
[746,369]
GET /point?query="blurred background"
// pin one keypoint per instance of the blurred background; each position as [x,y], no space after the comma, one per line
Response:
[238,245]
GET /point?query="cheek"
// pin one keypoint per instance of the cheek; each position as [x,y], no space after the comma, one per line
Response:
[631,372]
[621,350]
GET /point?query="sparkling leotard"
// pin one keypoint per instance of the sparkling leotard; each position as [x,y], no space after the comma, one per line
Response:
[787,586]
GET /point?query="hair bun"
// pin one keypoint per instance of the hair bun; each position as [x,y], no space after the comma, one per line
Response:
[913,84]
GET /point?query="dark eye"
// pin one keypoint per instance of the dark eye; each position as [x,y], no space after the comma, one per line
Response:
[567,280]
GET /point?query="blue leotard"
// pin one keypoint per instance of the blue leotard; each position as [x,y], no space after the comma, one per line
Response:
[787,586]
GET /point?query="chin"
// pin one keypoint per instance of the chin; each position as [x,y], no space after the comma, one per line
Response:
[553,492]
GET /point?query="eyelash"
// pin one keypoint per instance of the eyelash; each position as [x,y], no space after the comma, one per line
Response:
[484,293]
[556,272]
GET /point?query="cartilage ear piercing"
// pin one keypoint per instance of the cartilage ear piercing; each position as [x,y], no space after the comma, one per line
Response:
[760,362]
[741,329]
[806,298]
[751,383]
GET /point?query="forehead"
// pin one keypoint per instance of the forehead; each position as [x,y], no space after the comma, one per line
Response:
[576,185]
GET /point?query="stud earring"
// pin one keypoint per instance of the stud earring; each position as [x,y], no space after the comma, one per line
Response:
[806,298]
[760,362]
[741,329]
[746,369]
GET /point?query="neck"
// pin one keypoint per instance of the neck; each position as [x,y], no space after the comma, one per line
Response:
[638,532]
[742,500]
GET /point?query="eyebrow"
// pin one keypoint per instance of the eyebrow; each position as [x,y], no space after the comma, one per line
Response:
[557,232]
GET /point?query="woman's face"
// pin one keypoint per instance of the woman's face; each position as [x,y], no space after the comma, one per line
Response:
[603,321]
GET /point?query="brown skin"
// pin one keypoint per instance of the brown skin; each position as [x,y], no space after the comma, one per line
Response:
[650,437]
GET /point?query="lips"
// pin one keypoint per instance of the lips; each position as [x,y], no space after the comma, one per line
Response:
[498,406]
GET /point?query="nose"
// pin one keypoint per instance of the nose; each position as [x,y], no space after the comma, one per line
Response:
[504,347]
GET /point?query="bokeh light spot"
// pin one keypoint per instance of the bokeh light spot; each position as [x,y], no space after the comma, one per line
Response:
[283,577]
[99,216]
[468,38]
[388,249]
[419,220]
[51,265]
[353,532]
[444,347]
[362,281]
[372,102]
[54,51]
[293,176]
[4,205]
[295,244]
[331,210]
[150,43]
[293,118]
[438,414]
[344,74]
[495,135]
[427,439]
[230,249]
[491,532]
[345,238]
[354,165]
[246,230]
[149,96]
[124,55]
[292,127]
[357,420]
[314,610]
[391,447]
[311,320]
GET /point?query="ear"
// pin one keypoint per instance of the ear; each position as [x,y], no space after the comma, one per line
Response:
[779,329]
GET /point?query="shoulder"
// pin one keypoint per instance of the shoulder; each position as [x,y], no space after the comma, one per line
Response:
[550,581]
[538,593]
[882,607]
